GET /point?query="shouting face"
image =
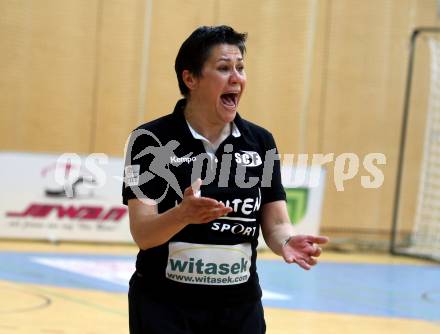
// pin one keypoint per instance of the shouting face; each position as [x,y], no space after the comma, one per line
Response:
[219,88]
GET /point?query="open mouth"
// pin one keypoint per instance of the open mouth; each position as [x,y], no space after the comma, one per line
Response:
[229,100]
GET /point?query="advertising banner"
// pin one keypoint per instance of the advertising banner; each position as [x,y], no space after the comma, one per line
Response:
[67,197]
[304,188]
[78,198]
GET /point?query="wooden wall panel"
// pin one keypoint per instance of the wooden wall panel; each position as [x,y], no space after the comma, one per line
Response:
[172,22]
[13,58]
[47,65]
[121,38]
[363,106]
[275,63]
[315,101]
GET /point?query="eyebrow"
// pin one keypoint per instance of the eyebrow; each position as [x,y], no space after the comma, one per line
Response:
[228,59]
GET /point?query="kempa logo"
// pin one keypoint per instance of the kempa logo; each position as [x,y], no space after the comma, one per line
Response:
[177,160]
[210,268]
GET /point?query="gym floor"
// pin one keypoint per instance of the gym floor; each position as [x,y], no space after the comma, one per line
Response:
[82,288]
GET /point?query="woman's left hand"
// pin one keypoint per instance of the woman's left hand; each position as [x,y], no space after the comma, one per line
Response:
[303,250]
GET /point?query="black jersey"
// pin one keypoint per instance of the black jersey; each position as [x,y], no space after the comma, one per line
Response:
[213,262]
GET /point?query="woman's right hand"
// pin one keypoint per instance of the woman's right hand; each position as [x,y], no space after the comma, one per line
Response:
[200,210]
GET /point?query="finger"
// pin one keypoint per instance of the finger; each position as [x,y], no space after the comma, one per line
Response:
[303,264]
[317,239]
[217,213]
[206,201]
[196,187]
[289,259]
[312,261]
[224,211]
[193,189]
[309,260]
[188,192]
[211,204]
[221,213]
[316,251]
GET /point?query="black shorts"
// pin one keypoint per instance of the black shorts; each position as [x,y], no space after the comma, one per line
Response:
[150,316]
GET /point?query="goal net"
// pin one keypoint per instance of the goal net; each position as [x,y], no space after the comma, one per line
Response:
[422,151]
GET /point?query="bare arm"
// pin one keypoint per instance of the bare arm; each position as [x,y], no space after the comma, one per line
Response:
[276,225]
[279,236]
[150,229]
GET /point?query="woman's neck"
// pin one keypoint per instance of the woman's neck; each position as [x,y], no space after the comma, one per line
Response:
[198,118]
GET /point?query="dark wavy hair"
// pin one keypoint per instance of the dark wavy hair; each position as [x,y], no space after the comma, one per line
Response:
[196,49]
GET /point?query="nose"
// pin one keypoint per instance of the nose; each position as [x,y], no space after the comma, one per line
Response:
[236,77]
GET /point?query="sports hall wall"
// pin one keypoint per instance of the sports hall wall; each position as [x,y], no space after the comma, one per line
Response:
[325,76]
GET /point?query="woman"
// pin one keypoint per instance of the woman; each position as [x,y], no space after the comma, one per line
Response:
[195,271]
